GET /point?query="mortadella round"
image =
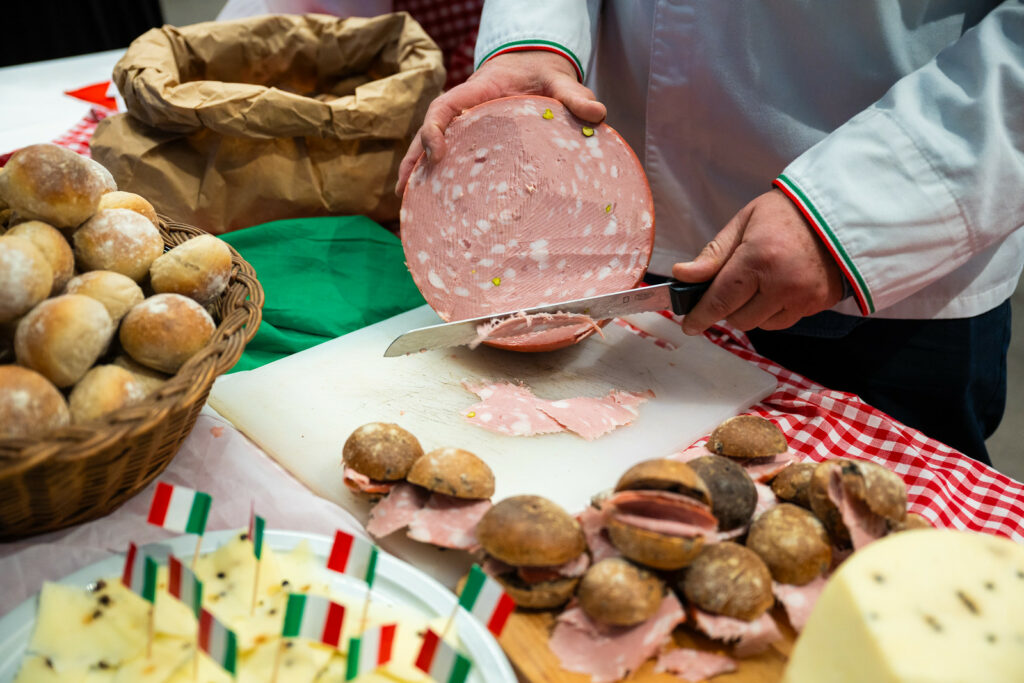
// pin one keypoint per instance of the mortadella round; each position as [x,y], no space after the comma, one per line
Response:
[529,206]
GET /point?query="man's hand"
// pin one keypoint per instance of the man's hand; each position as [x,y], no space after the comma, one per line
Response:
[515,73]
[770,270]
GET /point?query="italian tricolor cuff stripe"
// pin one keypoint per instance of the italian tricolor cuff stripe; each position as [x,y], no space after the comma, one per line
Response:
[546,45]
[821,227]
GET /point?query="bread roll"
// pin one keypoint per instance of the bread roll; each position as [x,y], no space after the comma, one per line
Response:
[130,201]
[166,330]
[150,379]
[117,292]
[62,337]
[51,184]
[29,404]
[53,246]
[25,277]
[102,390]
[118,240]
[199,269]
[101,172]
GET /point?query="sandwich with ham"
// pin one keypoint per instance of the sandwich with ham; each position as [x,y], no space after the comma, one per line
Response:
[857,501]
[376,456]
[753,442]
[535,550]
[443,496]
[659,514]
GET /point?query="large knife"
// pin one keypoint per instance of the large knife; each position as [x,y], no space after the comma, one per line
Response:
[679,297]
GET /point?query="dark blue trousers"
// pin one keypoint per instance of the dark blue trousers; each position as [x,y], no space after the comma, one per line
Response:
[946,378]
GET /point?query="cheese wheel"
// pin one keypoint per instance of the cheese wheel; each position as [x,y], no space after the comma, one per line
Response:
[29,403]
[119,240]
[529,206]
[25,276]
[51,184]
[166,330]
[117,292]
[53,246]
[198,268]
[102,390]
[62,337]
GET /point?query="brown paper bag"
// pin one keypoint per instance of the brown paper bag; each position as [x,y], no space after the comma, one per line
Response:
[235,123]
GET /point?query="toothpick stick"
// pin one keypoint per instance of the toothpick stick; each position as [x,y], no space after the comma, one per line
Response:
[195,555]
[277,661]
[366,611]
[150,630]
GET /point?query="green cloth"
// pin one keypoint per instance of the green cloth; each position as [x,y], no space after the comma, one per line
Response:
[323,277]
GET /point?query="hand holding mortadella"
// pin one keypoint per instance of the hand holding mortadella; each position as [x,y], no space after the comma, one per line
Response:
[516,73]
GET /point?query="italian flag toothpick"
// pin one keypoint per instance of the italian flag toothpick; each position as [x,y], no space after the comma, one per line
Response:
[218,641]
[354,557]
[140,573]
[486,600]
[313,617]
[440,661]
[179,509]
[183,584]
[370,650]
[256,527]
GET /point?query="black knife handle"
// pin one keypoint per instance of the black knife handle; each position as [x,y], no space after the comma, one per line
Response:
[685,295]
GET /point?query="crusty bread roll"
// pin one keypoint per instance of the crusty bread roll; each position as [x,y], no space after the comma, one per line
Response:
[130,201]
[53,246]
[101,172]
[62,337]
[166,330]
[150,379]
[119,240]
[102,390]
[25,276]
[115,291]
[198,268]
[51,184]
[29,404]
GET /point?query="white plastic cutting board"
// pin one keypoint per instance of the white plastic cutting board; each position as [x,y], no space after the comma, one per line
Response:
[301,409]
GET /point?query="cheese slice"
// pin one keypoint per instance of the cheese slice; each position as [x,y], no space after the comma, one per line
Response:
[919,606]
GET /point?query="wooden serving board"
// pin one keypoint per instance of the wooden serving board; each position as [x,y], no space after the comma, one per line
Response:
[525,641]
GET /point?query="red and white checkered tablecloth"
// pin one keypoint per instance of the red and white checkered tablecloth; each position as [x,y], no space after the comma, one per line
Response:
[943,485]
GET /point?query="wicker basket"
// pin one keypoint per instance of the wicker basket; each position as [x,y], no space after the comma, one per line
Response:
[82,472]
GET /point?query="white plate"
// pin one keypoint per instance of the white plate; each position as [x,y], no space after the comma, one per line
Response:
[397,583]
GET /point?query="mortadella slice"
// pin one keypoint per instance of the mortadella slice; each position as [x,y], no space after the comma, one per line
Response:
[694,665]
[448,522]
[610,653]
[396,510]
[750,637]
[529,206]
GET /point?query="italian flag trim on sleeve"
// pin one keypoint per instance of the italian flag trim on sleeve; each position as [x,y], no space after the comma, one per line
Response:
[140,574]
[825,233]
[353,556]
[184,585]
[179,509]
[370,650]
[486,600]
[440,661]
[313,617]
[218,641]
[545,45]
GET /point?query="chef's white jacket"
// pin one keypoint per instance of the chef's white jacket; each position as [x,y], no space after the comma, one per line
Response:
[896,125]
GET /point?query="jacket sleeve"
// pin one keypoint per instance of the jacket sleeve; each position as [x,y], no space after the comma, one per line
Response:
[930,175]
[559,26]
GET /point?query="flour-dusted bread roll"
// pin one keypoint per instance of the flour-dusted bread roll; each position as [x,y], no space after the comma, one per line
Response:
[130,201]
[120,240]
[102,390]
[53,246]
[166,330]
[150,379]
[119,293]
[101,172]
[199,269]
[62,337]
[51,184]
[25,277]
[29,403]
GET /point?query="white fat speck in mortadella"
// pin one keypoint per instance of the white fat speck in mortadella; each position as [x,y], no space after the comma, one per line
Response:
[532,206]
